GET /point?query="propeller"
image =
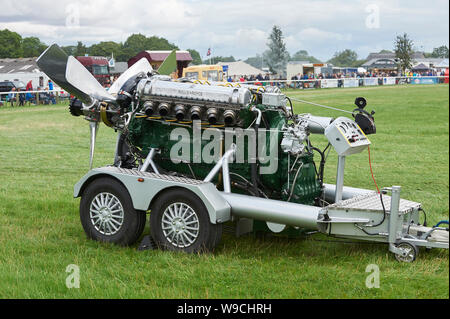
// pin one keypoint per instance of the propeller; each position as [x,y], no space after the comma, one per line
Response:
[141,66]
[93,127]
[169,64]
[72,76]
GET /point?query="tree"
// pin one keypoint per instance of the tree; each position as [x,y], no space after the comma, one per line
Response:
[70,49]
[80,49]
[10,44]
[138,42]
[256,61]
[217,59]
[32,47]
[303,55]
[404,51]
[344,58]
[276,56]
[157,43]
[106,49]
[440,52]
[196,58]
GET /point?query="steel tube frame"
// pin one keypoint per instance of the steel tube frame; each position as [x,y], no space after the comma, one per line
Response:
[149,161]
[339,179]
[274,211]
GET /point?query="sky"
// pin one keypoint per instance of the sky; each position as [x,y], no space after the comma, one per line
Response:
[233,27]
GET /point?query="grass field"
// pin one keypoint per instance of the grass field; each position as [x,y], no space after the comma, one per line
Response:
[44,152]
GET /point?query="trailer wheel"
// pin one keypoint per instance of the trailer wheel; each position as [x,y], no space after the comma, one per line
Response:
[410,252]
[179,221]
[107,213]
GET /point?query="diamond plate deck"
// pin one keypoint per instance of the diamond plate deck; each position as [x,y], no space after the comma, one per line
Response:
[177,179]
[371,202]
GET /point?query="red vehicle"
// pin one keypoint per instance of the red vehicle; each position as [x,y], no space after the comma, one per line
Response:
[98,66]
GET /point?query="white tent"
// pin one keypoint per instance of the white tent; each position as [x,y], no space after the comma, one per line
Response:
[443,64]
[241,68]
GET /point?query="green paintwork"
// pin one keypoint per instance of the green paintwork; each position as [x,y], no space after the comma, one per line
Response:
[146,134]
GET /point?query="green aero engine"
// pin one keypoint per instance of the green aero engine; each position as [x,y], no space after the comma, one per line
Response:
[211,117]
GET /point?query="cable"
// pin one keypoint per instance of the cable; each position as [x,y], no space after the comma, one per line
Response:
[371,171]
[425,214]
[292,107]
[381,200]
[321,105]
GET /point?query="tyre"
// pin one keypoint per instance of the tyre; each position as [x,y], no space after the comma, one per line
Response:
[107,213]
[410,252]
[179,221]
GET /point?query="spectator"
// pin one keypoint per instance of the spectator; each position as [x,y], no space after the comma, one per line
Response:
[22,99]
[12,97]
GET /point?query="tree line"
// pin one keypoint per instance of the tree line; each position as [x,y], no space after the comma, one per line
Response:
[12,45]
[276,56]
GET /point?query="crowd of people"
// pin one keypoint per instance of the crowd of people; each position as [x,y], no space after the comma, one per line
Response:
[315,77]
[21,97]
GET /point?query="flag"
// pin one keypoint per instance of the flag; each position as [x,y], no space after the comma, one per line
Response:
[209,52]
[112,62]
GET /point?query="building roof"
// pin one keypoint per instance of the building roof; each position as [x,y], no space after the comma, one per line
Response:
[119,68]
[299,62]
[183,57]
[241,68]
[18,65]
[162,55]
[421,66]
[381,63]
[391,55]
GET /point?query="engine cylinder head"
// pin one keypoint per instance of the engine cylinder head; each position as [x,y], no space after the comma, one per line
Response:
[180,111]
[163,109]
[149,108]
[229,117]
[196,113]
[213,115]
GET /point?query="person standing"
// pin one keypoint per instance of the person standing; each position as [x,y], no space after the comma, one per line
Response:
[12,97]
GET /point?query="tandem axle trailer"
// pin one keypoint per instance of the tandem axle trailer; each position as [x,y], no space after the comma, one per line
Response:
[360,215]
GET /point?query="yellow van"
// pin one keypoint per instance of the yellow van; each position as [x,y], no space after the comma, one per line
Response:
[204,72]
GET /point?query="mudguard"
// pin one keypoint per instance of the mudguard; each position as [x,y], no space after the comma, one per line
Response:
[143,187]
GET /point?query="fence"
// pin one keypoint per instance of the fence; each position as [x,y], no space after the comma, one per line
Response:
[351,82]
[55,96]
[16,98]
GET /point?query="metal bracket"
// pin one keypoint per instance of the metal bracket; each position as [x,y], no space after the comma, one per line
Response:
[223,163]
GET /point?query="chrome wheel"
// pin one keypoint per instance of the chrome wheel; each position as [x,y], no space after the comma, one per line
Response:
[180,225]
[409,253]
[106,213]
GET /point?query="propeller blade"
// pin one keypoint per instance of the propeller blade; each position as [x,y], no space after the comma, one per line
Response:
[53,62]
[93,126]
[71,75]
[141,66]
[170,64]
[83,80]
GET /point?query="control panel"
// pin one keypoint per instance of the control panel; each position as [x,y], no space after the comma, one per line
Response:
[346,136]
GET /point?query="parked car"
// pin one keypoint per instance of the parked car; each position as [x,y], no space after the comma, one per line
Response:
[7,86]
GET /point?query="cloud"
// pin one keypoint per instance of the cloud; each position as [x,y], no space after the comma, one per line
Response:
[234,27]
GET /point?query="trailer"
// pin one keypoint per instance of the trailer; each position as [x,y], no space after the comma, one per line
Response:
[189,197]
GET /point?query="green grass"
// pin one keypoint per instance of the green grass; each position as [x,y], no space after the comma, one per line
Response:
[44,152]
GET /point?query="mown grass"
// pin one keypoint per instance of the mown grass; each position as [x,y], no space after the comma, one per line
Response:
[44,151]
